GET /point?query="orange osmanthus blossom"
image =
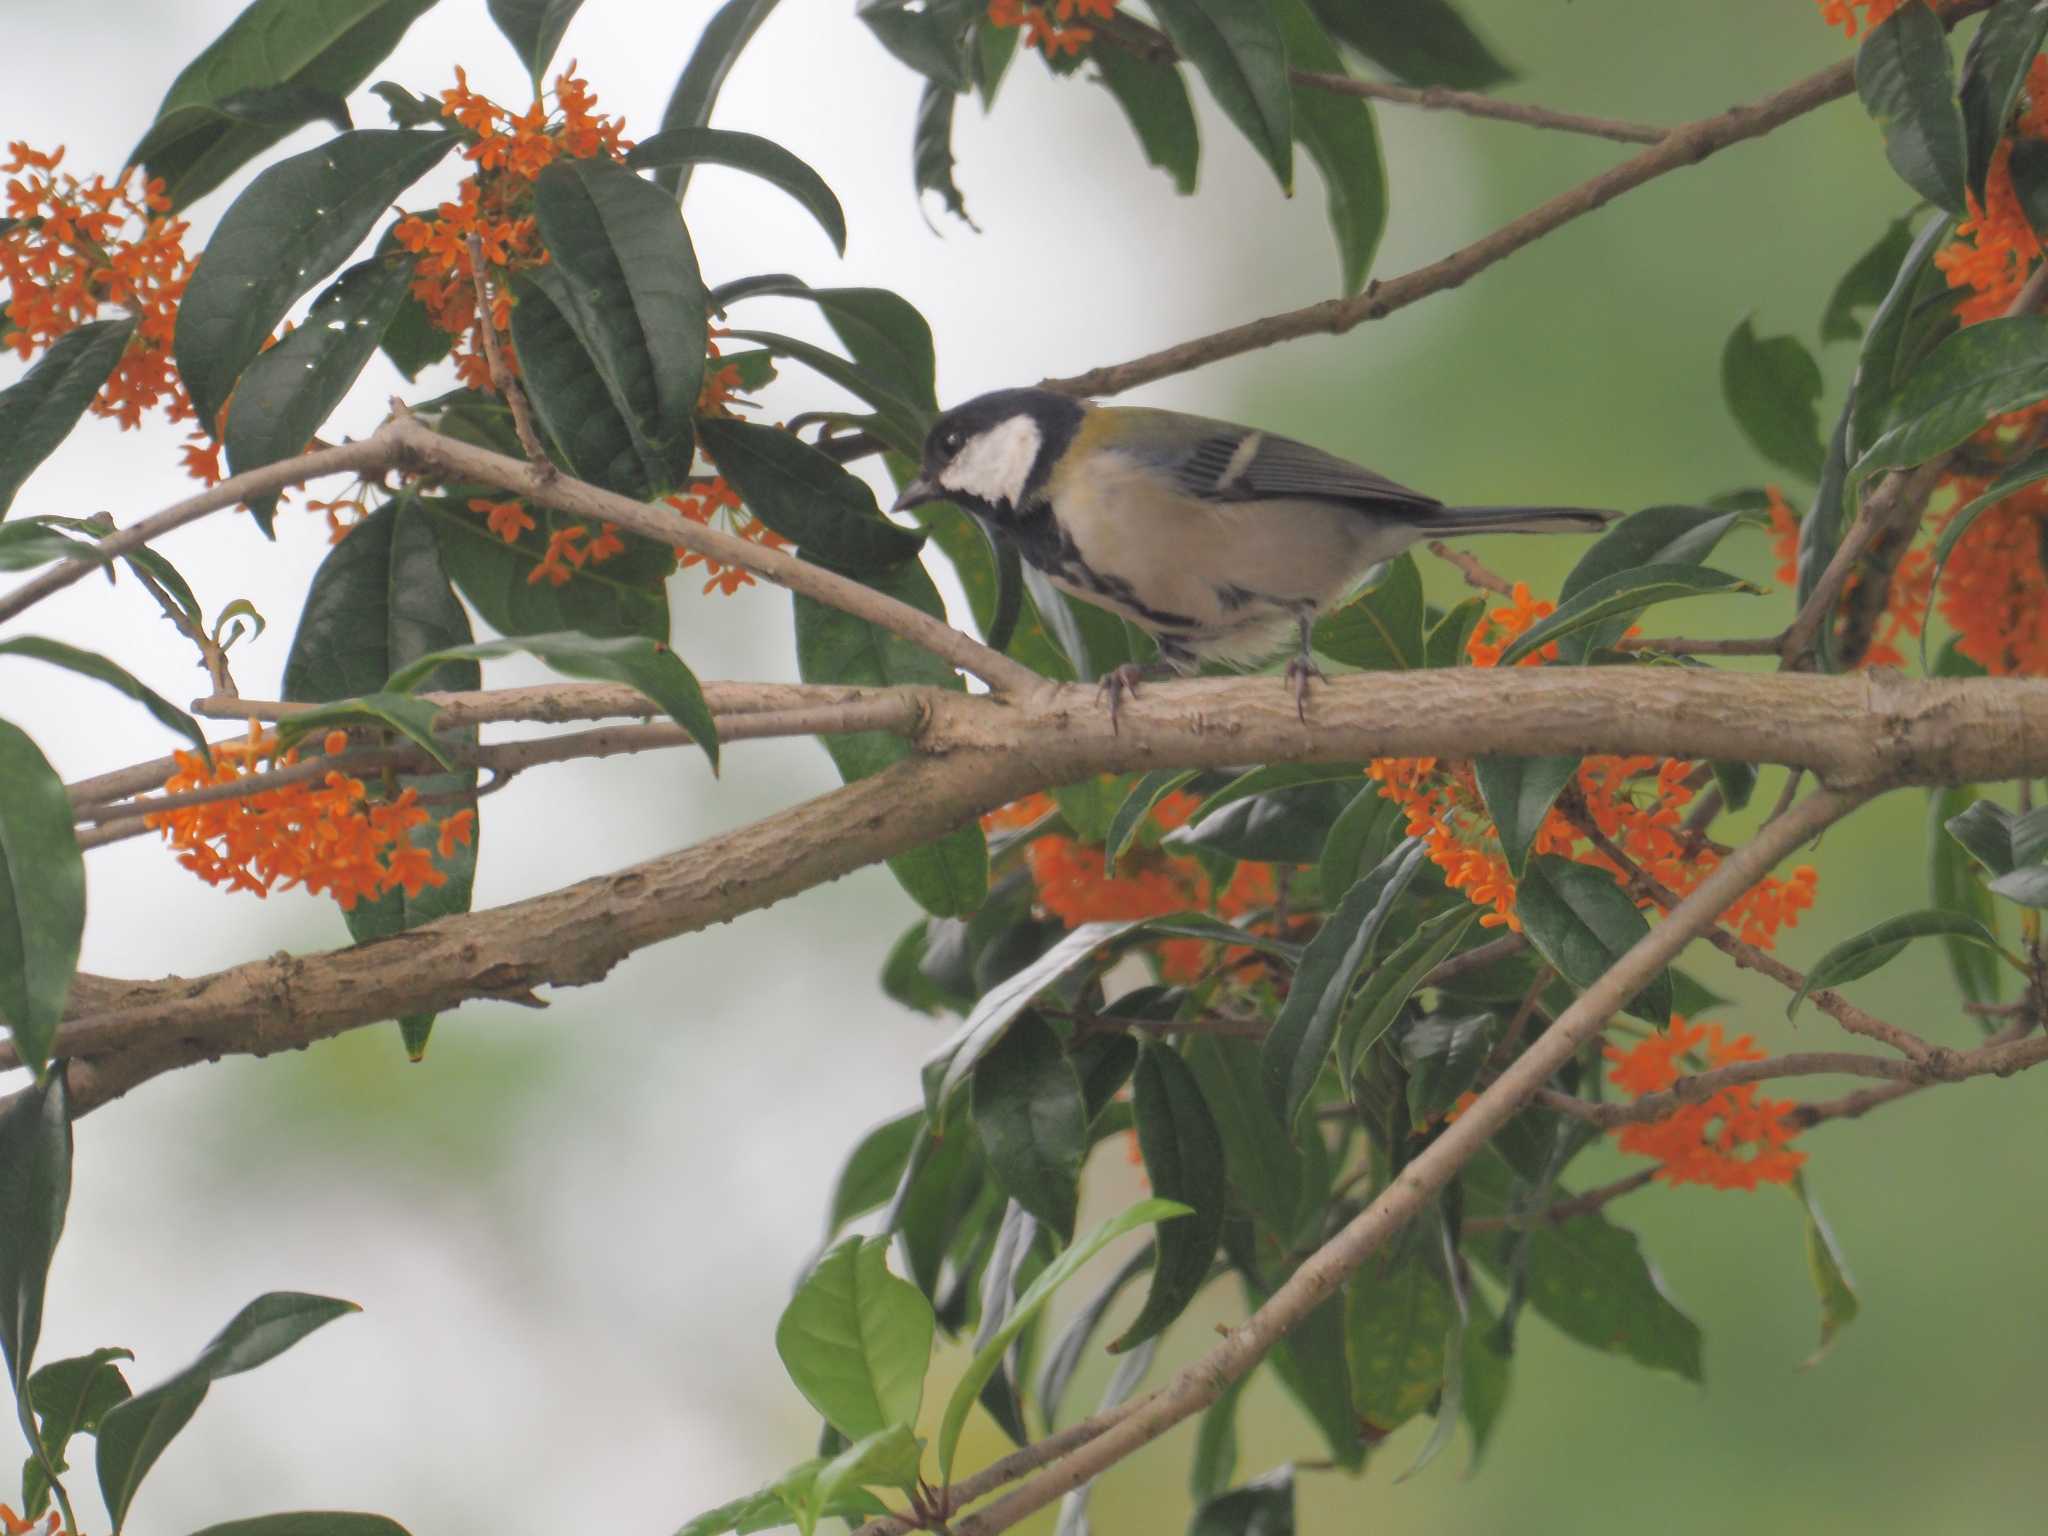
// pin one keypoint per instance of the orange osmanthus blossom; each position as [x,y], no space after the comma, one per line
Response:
[1053,27]
[12,1524]
[1700,1143]
[1845,13]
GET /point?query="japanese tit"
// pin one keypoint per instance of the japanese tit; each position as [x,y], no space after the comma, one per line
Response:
[1221,541]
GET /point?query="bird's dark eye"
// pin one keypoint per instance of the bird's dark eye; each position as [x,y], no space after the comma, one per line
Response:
[950,441]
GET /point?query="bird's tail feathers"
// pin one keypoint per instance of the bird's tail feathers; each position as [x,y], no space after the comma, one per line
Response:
[1514,520]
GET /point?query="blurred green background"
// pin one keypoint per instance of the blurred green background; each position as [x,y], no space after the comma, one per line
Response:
[572,1230]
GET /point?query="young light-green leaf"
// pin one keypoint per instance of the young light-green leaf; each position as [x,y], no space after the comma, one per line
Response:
[856,1339]
[42,897]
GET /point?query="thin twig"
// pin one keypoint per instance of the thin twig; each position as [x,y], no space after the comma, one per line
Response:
[1472,568]
[1437,98]
[213,656]
[1788,794]
[509,389]
[1682,645]
[1564,1210]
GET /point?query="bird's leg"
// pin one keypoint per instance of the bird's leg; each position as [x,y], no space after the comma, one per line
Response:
[1301,666]
[1119,681]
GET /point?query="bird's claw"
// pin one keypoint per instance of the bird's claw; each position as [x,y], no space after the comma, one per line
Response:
[1117,682]
[1299,670]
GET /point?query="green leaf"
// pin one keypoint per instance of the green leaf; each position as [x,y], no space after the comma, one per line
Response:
[1381,628]
[882,331]
[92,664]
[70,1397]
[38,412]
[1358,839]
[1424,42]
[1310,1362]
[1214,1464]
[1183,1152]
[289,391]
[1831,1283]
[1444,646]
[623,596]
[1907,82]
[1661,535]
[1488,1370]
[409,717]
[1994,73]
[1136,808]
[630,290]
[931,150]
[2027,885]
[856,1339]
[412,342]
[1299,1043]
[1737,783]
[1866,283]
[640,663]
[32,542]
[1282,826]
[899,421]
[1987,830]
[753,154]
[1264,1166]
[42,898]
[1240,52]
[1338,133]
[133,1435]
[295,223]
[1155,100]
[1071,1349]
[873,1169]
[1954,887]
[886,1459]
[1582,923]
[1623,595]
[1820,531]
[1398,1322]
[35,1189]
[309,1522]
[1982,371]
[534,28]
[1028,1111]
[1773,391]
[1262,1508]
[326,48]
[1878,946]
[1443,1057]
[926,39]
[696,90]
[1519,792]
[988,1354]
[1371,1013]
[1884,362]
[801,493]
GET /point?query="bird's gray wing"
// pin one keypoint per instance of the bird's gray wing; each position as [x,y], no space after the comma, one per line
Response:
[1239,464]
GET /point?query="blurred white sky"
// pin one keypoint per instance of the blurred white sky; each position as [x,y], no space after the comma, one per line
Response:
[572,1231]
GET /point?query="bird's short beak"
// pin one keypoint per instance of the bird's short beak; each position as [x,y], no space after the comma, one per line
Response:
[916,494]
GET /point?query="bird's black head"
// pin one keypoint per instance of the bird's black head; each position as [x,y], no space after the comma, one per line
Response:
[993,454]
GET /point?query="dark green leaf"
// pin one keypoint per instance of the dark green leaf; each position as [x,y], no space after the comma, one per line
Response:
[1443,1057]
[70,1397]
[1663,535]
[1994,73]
[38,412]
[1582,923]
[1262,1508]
[1519,792]
[1622,596]
[1907,82]
[994,49]
[1953,887]
[412,341]
[1028,1111]
[1878,946]
[1310,1362]
[883,332]
[326,48]
[1294,1051]
[287,392]
[534,28]
[1773,391]
[1071,1349]
[873,1169]
[1831,1283]
[1424,42]
[1394,980]
[931,150]
[689,105]
[856,1339]
[1736,781]
[1155,99]
[1866,283]
[1445,644]
[1398,1322]
[750,153]
[287,106]
[1381,628]
[1241,54]
[899,421]
[1264,1166]
[311,1522]
[1986,829]
[1338,133]
[1135,810]
[623,596]
[927,39]
[294,224]
[808,498]
[1820,531]
[1488,1368]
[42,898]
[1358,839]
[1283,826]
[1883,363]
[2027,885]
[1184,1160]
[408,109]
[35,1189]
[1982,371]
[409,717]
[93,665]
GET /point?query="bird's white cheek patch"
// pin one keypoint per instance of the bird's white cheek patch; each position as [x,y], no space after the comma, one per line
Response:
[996,465]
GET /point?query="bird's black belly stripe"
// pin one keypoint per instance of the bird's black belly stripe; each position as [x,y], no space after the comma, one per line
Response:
[1040,539]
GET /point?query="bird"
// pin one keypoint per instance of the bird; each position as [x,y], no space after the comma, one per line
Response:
[1216,539]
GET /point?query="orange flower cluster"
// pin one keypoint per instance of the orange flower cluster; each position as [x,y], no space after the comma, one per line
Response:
[12,1524]
[1052,29]
[566,552]
[1842,13]
[1076,886]
[496,205]
[713,498]
[77,247]
[1636,802]
[1699,1143]
[328,837]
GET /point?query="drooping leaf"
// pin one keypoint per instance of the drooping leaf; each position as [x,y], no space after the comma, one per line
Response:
[1883,363]
[873,1170]
[1398,1322]
[1424,42]
[292,226]
[1831,1284]
[1183,1153]
[1338,133]
[42,897]
[1377,1003]
[1358,839]
[1261,1508]
[35,1190]
[898,421]
[1071,1348]
[534,28]
[1241,54]
[753,154]
[1443,1056]
[1772,387]
[38,412]
[1310,1363]
[409,717]
[1519,792]
[1907,81]
[931,150]
[1866,283]
[311,1522]
[32,541]
[1033,1124]
[1953,887]
[1622,596]
[829,513]
[1154,98]
[1994,73]
[728,31]
[1136,809]
[1582,923]
[1264,1167]
[928,39]
[1985,370]
[1488,1370]
[1878,946]
[93,665]
[856,1339]
[885,1459]
[884,334]
[1381,628]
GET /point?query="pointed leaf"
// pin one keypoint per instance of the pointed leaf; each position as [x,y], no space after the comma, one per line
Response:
[928,40]
[1071,1348]
[1136,809]
[1443,1057]
[1488,1370]
[1773,391]
[883,332]
[38,412]
[1264,1166]
[1183,1154]
[873,1169]
[1424,42]
[1987,829]
[1241,55]
[1028,1111]
[409,717]
[856,1339]
[886,1459]
[696,91]
[1985,370]
[534,28]
[1878,946]
[753,154]
[92,664]
[2027,885]
[1155,100]
[1621,596]
[42,898]
[828,513]
[70,1397]
[931,150]
[900,421]
[623,596]
[1953,887]
[1398,1322]
[31,542]
[1662,535]
[1831,1283]
[1907,81]
[1582,923]
[1310,1362]
[2032,467]
[1381,628]
[1519,792]
[35,1190]
[1884,362]
[1338,133]
[1994,73]
[1371,1013]
[1866,283]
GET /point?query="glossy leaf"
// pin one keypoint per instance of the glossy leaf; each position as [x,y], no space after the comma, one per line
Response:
[1994,74]
[1033,1124]
[1154,98]
[323,49]
[42,897]
[1883,363]
[1261,1508]
[1985,370]
[1424,42]
[1953,886]
[1372,1011]
[1772,387]
[753,154]
[856,1339]
[1241,54]
[1381,628]
[1831,1284]
[1866,283]
[1135,810]
[882,331]
[409,717]
[93,665]
[1299,1043]
[885,1459]
[1989,831]
[899,421]
[1879,945]
[1070,1350]
[729,31]
[1338,133]
[1443,1057]
[534,28]
[1398,1321]
[801,493]
[295,223]
[1661,535]
[1260,1155]
[988,1356]
[310,1522]
[1621,597]
[1183,1152]
[640,663]
[1907,81]
[1358,839]
[1519,792]
[35,1189]
[289,391]
[1582,923]
[873,1169]
[1283,825]
[1445,644]
[38,411]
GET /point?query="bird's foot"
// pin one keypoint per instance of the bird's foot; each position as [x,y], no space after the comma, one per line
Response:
[1124,680]
[1300,669]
